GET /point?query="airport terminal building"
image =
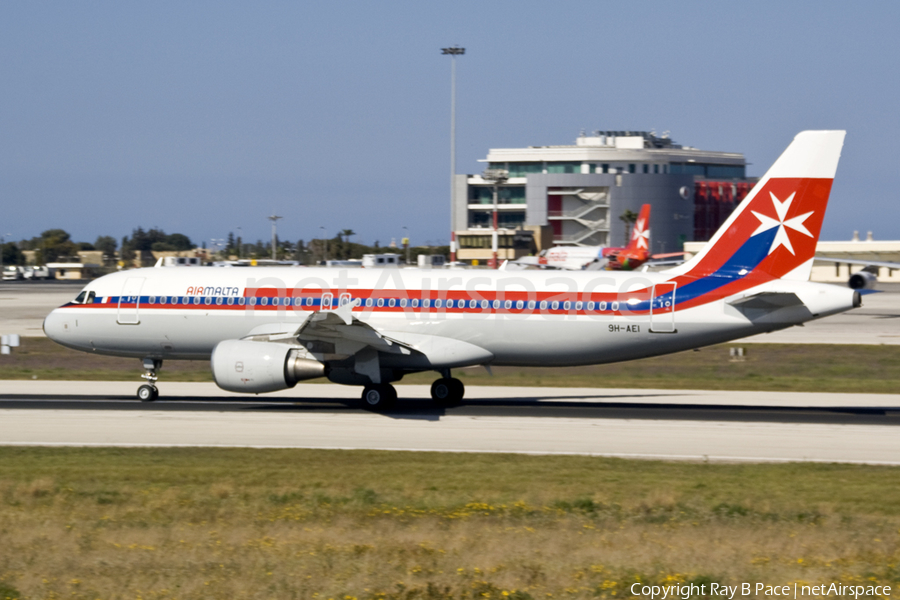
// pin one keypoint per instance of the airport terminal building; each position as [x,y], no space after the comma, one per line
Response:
[576,195]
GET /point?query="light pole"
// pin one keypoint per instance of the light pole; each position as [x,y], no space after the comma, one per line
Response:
[274,219]
[218,245]
[406,242]
[453,52]
[496,177]
[2,243]
[324,245]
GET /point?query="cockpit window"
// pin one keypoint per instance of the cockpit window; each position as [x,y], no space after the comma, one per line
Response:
[85,297]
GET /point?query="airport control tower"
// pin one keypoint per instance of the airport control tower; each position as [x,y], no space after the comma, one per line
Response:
[576,195]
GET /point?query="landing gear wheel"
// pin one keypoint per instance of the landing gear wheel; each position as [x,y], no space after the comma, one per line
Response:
[379,396]
[447,390]
[147,393]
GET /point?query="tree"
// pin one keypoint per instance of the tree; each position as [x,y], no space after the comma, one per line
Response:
[106,244]
[51,245]
[628,217]
[11,254]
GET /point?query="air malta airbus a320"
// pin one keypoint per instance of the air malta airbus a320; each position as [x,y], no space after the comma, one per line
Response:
[266,329]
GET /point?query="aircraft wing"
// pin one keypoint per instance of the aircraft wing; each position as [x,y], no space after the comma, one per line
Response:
[859,261]
[338,335]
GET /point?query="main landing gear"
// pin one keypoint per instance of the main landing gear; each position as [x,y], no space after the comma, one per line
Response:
[148,391]
[379,396]
[447,390]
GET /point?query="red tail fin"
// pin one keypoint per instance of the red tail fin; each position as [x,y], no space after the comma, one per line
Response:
[640,235]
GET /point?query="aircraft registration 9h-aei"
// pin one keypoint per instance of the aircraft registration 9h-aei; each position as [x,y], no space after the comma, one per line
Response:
[266,329]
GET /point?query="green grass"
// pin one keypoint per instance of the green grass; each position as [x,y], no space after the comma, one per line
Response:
[241,523]
[767,367]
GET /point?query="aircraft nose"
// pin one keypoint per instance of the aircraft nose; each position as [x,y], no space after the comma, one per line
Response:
[55,326]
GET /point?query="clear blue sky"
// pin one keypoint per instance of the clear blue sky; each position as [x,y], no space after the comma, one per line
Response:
[199,117]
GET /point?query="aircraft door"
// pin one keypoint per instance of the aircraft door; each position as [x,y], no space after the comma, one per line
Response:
[130,301]
[662,308]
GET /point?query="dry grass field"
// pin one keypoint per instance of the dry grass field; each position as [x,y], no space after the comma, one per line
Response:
[343,525]
[767,367]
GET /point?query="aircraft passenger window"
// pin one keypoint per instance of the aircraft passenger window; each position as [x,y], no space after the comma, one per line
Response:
[603,306]
[151,300]
[357,302]
[402,302]
[196,299]
[219,300]
[555,305]
[543,305]
[485,304]
[392,302]
[369,302]
[252,301]
[264,301]
[275,301]
[415,303]
[79,298]
[449,303]
[380,302]
[507,304]
[185,299]
[437,303]
[567,305]
[207,300]
[579,305]
[426,303]
[531,304]
[230,301]
[309,301]
[590,306]
[473,304]
[615,306]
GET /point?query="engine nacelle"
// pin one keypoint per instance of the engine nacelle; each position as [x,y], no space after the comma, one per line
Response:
[862,280]
[258,367]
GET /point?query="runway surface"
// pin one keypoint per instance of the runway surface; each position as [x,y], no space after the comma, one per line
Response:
[24,304]
[680,424]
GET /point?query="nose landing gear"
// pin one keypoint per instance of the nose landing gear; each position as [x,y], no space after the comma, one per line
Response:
[148,391]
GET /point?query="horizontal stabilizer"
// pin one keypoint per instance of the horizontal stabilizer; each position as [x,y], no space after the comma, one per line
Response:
[768,301]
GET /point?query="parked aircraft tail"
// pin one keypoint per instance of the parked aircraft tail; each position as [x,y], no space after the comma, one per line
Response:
[640,234]
[773,233]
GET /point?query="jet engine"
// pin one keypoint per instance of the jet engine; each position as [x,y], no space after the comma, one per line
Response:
[862,280]
[257,367]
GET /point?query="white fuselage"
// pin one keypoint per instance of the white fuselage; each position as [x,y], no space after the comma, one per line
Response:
[545,318]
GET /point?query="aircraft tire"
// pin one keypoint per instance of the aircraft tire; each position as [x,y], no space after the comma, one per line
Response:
[447,390]
[459,390]
[147,393]
[379,396]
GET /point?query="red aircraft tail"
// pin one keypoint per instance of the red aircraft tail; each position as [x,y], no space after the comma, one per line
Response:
[640,235]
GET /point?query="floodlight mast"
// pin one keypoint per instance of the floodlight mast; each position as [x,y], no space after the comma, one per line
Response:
[453,52]
[274,219]
[496,177]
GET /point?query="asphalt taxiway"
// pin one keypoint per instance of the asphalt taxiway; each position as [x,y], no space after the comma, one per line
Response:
[678,424]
